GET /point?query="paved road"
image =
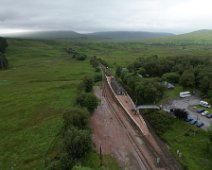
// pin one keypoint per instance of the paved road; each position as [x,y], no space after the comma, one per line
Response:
[189,104]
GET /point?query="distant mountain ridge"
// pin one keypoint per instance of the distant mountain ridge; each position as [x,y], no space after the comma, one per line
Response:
[102,36]
[195,37]
[45,35]
[127,35]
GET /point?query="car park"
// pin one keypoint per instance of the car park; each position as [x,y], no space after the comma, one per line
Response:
[209,115]
[200,110]
[199,124]
[204,113]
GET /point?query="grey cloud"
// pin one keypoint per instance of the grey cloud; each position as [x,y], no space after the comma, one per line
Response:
[106,15]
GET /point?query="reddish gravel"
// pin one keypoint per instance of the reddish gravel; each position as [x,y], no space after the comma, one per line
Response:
[113,138]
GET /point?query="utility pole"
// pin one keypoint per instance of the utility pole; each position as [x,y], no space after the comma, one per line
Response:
[100,154]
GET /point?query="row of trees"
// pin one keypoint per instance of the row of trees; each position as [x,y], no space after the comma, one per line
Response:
[76,135]
[3,59]
[143,90]
[75,54]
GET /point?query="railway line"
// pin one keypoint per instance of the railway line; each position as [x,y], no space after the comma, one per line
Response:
[143,163]
[146,152]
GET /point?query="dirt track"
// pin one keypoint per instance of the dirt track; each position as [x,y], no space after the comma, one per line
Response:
[117,136]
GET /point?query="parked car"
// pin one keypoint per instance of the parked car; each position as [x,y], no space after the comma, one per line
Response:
[204,104]
[200,110]
[204,96]
[193,122]
[209,115]
[189,118]
[199,124]
[204,113]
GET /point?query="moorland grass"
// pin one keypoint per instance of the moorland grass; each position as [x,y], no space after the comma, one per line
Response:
[195,155]
[35,91]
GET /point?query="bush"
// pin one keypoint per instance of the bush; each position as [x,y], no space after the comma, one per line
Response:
[81,57]
[180,114]
[97,77]
[161,121]
[77,143]
[3,61]
[76,117]
[81,168]
[94,62]
[87,100]
[87,84]
[3,44]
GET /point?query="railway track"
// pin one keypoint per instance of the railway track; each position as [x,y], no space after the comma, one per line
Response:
[143,162]
[148,162]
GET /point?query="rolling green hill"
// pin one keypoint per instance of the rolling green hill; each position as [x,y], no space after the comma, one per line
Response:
[196,37]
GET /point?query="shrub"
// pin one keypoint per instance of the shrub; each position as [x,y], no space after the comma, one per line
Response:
[87,100]
[180,114]
[160,121]
[76,117]
[87,84]
[97,77]
[81,168]
[3,61]
[76,144]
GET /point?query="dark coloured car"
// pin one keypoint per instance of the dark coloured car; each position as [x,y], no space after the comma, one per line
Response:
[200,110]
[193,122]
[199,124]
[189,118]
[204,97]
[209,116]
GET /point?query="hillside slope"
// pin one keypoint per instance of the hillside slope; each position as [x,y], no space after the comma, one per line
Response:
[196,37]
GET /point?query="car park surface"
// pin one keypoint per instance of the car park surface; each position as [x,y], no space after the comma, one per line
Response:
[190,104]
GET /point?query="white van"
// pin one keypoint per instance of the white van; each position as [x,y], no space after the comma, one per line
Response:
[185,94]
[204,104]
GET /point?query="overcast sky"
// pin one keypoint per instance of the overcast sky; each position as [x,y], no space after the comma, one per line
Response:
[176,16]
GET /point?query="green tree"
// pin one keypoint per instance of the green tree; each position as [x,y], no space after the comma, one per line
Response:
[87,84]
[118,71]
[81,168]
[188,79]
[3,44]
[3,61]
[76,117]
[75,145]
[87,100]
[171,77]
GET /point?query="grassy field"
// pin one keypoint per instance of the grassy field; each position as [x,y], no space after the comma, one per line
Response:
[193,147]
[40,84]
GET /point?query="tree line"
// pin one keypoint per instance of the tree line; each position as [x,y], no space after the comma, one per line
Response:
[76,140]
[144,76]
[3,59]
[75,54]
